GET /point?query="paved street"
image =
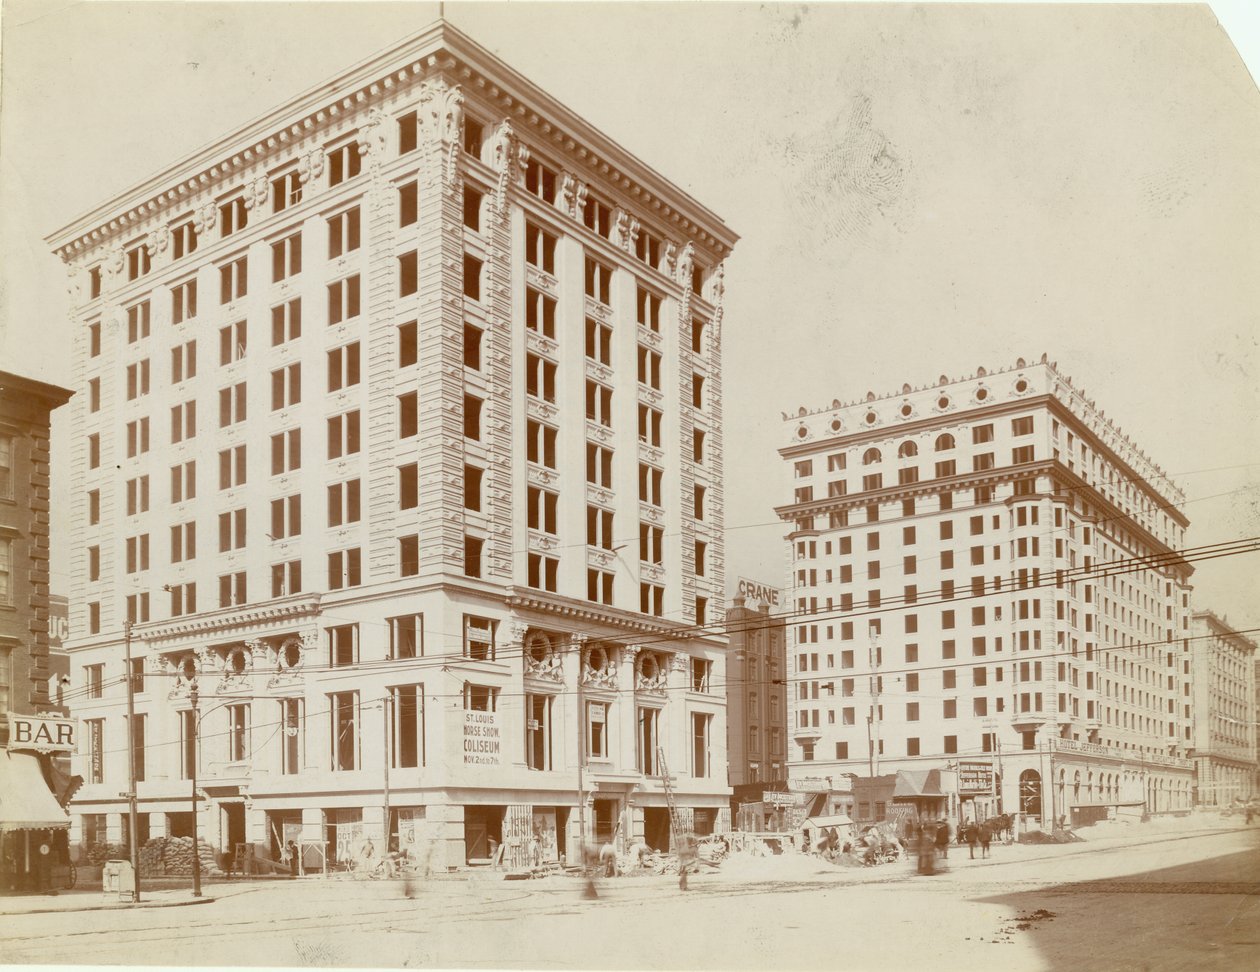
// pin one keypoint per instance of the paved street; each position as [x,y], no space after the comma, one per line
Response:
[1170,902]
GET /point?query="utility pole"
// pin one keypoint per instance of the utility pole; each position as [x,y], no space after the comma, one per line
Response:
[873,722]
[196,846]
[388,758]
[132,827]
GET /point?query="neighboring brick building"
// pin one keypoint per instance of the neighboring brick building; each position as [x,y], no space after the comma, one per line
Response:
[25,405]
[756,695]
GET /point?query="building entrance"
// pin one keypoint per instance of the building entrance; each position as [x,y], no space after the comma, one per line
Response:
[483,833]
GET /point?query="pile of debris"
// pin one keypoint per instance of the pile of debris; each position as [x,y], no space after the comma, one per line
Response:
[174,855]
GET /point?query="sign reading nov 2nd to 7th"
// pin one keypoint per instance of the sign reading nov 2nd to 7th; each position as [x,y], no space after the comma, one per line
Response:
[43,734]
[483,743]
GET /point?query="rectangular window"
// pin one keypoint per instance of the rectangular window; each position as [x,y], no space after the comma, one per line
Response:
[286,191]
[343,503]
[408,486]
[233,216]
[599,586]
[344,711]
[651,544]
[187,744]
[408,274]
[343,367]
[138,320]
[343,645]
[701,725]
[597,216]
[137,442]
[406,636]
[1022,425]
[472,417]
[343,435]
[233,280]
[137,379]
[599,403]
[697,391]
[232,589]
[540,443]
[343,233]
[596,730]
[232,530]
[542,509]
[232,467]
[286,517]
[183,362]
[137,746]
[183,240]
[652,599]
[650,483]
[599,527]
[540,378]
[406,726]
[540,180]
[480,698]
[286,452]
[599,465]
[981,433]
[543,572]
[286,386]
[540,313]
[292,745]
[183,482]
[286,258]
[286,578]
[648,740]
[408,203]
[599,342]
[538,732]
[650,420]
[139,262]
[286,322]
[343,300]
[183,599]
[344,163]
[649,368]
[540,248]
[344,569]
[232,404]
[183,301]
[472,347]
[472,277]
[472,209]
[479,637]
[598,280]
[648,310]
[137,495]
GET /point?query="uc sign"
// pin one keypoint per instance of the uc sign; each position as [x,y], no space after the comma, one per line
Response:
[42,734]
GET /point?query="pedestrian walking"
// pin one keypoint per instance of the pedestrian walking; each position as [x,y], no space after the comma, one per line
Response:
[292,849]
[971,833]
[985,835]
[942,838]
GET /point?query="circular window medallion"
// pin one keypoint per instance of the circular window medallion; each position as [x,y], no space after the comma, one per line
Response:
[649,667]
[291,654]
[871,418]
[1021,386]
[835,425]
[188,667]
[906,410]
[236,661]
[943,402]
[802,432]
[982,394]
[597,658]
[538,647]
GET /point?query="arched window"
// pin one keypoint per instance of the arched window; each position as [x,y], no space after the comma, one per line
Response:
[1076,787]
[871,456]
[908,450]
[1030,792]
[944,442]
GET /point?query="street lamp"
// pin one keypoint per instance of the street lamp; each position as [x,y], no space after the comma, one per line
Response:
[196,747]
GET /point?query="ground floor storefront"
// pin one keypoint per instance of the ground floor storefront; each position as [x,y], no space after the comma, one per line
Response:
[1221,780]
[441,829]
[34,849]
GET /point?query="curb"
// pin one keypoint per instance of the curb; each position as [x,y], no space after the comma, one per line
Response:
[109,907]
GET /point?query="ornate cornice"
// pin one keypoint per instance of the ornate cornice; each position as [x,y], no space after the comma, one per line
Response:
[525,599]
[300,606]
[438,49]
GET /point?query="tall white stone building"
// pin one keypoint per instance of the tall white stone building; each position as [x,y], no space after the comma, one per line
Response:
[400,431]
[1223,663]
[951,548]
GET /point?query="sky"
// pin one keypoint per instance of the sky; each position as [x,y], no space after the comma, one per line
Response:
[1078,180]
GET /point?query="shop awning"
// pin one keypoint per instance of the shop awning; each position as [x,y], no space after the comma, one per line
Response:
[26,803]
[912,784]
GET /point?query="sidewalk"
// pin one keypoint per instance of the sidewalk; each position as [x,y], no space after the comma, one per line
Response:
[89,900]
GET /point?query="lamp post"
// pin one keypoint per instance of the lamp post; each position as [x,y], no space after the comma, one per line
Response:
[196,847]
[133,831]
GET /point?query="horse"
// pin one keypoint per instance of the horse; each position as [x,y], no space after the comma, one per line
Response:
[1002,824]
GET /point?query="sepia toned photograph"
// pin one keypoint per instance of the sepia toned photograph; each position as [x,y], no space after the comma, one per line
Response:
[629,485]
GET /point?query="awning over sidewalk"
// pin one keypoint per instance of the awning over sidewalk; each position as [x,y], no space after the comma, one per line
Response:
[26,803]
[912,784]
